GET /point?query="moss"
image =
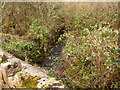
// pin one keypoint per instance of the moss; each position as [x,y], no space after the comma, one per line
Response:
[15,72]
[4,60]
[0,56]
[31,82]
[46,87]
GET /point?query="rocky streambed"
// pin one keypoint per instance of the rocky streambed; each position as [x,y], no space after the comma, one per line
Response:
[54,55]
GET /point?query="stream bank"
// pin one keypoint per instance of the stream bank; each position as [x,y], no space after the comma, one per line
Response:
[15,73]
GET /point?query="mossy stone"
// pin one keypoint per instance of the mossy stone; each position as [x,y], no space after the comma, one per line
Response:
[31,82]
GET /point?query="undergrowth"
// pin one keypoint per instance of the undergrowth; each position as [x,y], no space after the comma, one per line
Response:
[90,57]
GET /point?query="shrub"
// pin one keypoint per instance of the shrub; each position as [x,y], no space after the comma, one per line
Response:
[92,58]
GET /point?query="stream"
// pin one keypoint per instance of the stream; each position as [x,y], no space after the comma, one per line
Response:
[53,59]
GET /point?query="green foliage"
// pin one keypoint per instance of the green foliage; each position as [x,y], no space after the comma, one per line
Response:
[53,74]
[91,52]
[31,28]
[29,49]
[42,34]
[90,57]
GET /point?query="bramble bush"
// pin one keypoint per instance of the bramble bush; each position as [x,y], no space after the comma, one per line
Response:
[92,58]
